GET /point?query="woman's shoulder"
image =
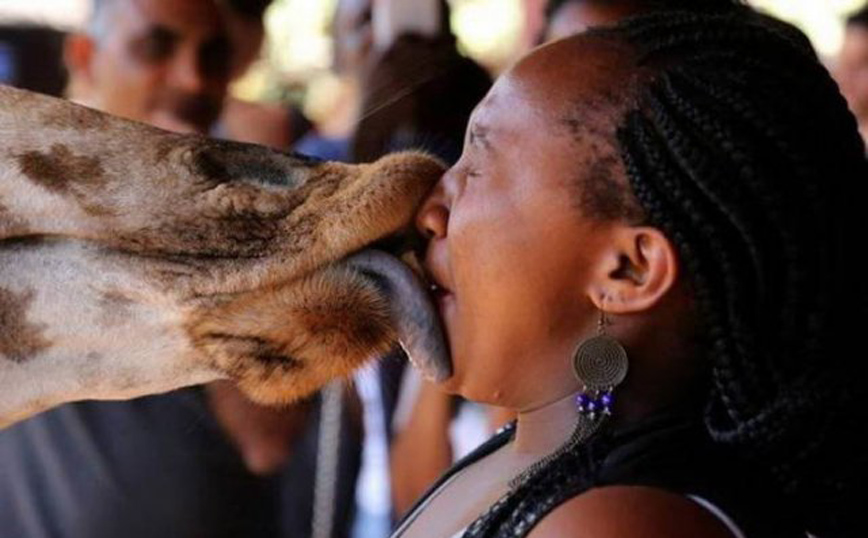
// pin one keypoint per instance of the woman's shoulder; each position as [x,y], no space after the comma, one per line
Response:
[631,512]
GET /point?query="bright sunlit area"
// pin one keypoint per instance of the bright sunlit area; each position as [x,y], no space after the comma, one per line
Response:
[493,32]
[820,19]
[299,48]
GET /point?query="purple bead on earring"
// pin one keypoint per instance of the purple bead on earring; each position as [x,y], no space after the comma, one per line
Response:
[591,404]
[607,399]
[582,401]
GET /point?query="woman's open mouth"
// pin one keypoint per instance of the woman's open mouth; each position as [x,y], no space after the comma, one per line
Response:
[438,293]
[436,289]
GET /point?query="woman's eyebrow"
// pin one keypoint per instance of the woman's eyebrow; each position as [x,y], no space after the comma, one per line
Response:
[479,136]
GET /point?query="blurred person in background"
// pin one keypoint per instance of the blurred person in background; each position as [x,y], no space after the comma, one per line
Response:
[419,94]
[163,63]
[852,68]
[278,125]
[30,57]
[191,463]
[352,46]
[568,17]
[415,92]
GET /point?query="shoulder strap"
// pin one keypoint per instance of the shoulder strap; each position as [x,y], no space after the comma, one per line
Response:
[499,439]
[670,452]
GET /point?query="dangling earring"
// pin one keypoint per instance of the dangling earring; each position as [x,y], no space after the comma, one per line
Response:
[600,364]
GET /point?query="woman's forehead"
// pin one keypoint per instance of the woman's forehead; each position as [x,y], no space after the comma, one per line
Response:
[506,112]
[572,83]
[576,67]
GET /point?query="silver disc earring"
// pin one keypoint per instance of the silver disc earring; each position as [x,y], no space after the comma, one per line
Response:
[600,364]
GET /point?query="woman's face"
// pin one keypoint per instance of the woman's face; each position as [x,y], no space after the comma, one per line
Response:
[514,254]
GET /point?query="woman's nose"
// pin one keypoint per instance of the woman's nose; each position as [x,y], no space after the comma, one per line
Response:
[433,216]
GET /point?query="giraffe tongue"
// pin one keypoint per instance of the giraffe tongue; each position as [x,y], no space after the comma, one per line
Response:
[414,315]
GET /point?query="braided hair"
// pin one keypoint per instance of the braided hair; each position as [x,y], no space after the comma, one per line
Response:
[743,151]
[738,145]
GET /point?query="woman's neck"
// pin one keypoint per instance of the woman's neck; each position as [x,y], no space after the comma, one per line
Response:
[543,430]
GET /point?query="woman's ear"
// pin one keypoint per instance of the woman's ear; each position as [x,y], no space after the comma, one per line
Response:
[78,53]
[640,266]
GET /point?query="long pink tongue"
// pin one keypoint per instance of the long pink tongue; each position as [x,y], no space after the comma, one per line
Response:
[414,315]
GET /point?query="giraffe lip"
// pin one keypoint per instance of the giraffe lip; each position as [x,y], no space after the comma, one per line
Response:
[415,316]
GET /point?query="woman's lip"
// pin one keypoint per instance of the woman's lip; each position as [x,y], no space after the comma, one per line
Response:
[434,285]
[439,293]
[442,298]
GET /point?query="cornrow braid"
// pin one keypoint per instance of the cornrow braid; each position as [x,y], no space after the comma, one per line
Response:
[744,153]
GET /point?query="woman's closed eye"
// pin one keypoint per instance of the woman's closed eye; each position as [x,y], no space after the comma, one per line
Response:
[472,173]
[472,164]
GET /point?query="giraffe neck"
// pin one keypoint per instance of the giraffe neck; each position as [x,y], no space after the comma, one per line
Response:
[77,326]
[32,388]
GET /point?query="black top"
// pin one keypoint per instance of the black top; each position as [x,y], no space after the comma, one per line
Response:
[158,466]
[670,451]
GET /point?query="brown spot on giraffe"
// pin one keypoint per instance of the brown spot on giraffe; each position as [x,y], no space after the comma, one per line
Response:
[115,308]
[20,340]
[262,350]
[59,169]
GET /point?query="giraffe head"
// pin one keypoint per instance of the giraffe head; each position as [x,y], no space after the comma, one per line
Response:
[133,260]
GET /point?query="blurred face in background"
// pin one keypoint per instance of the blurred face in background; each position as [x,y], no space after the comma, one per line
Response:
[852,71]
[577,16]
[245,23]
[163,62]
[353,36]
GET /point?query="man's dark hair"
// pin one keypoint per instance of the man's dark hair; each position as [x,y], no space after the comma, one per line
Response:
[739,146]
[253,9]
[554,5]
[98,23]
[859,17]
